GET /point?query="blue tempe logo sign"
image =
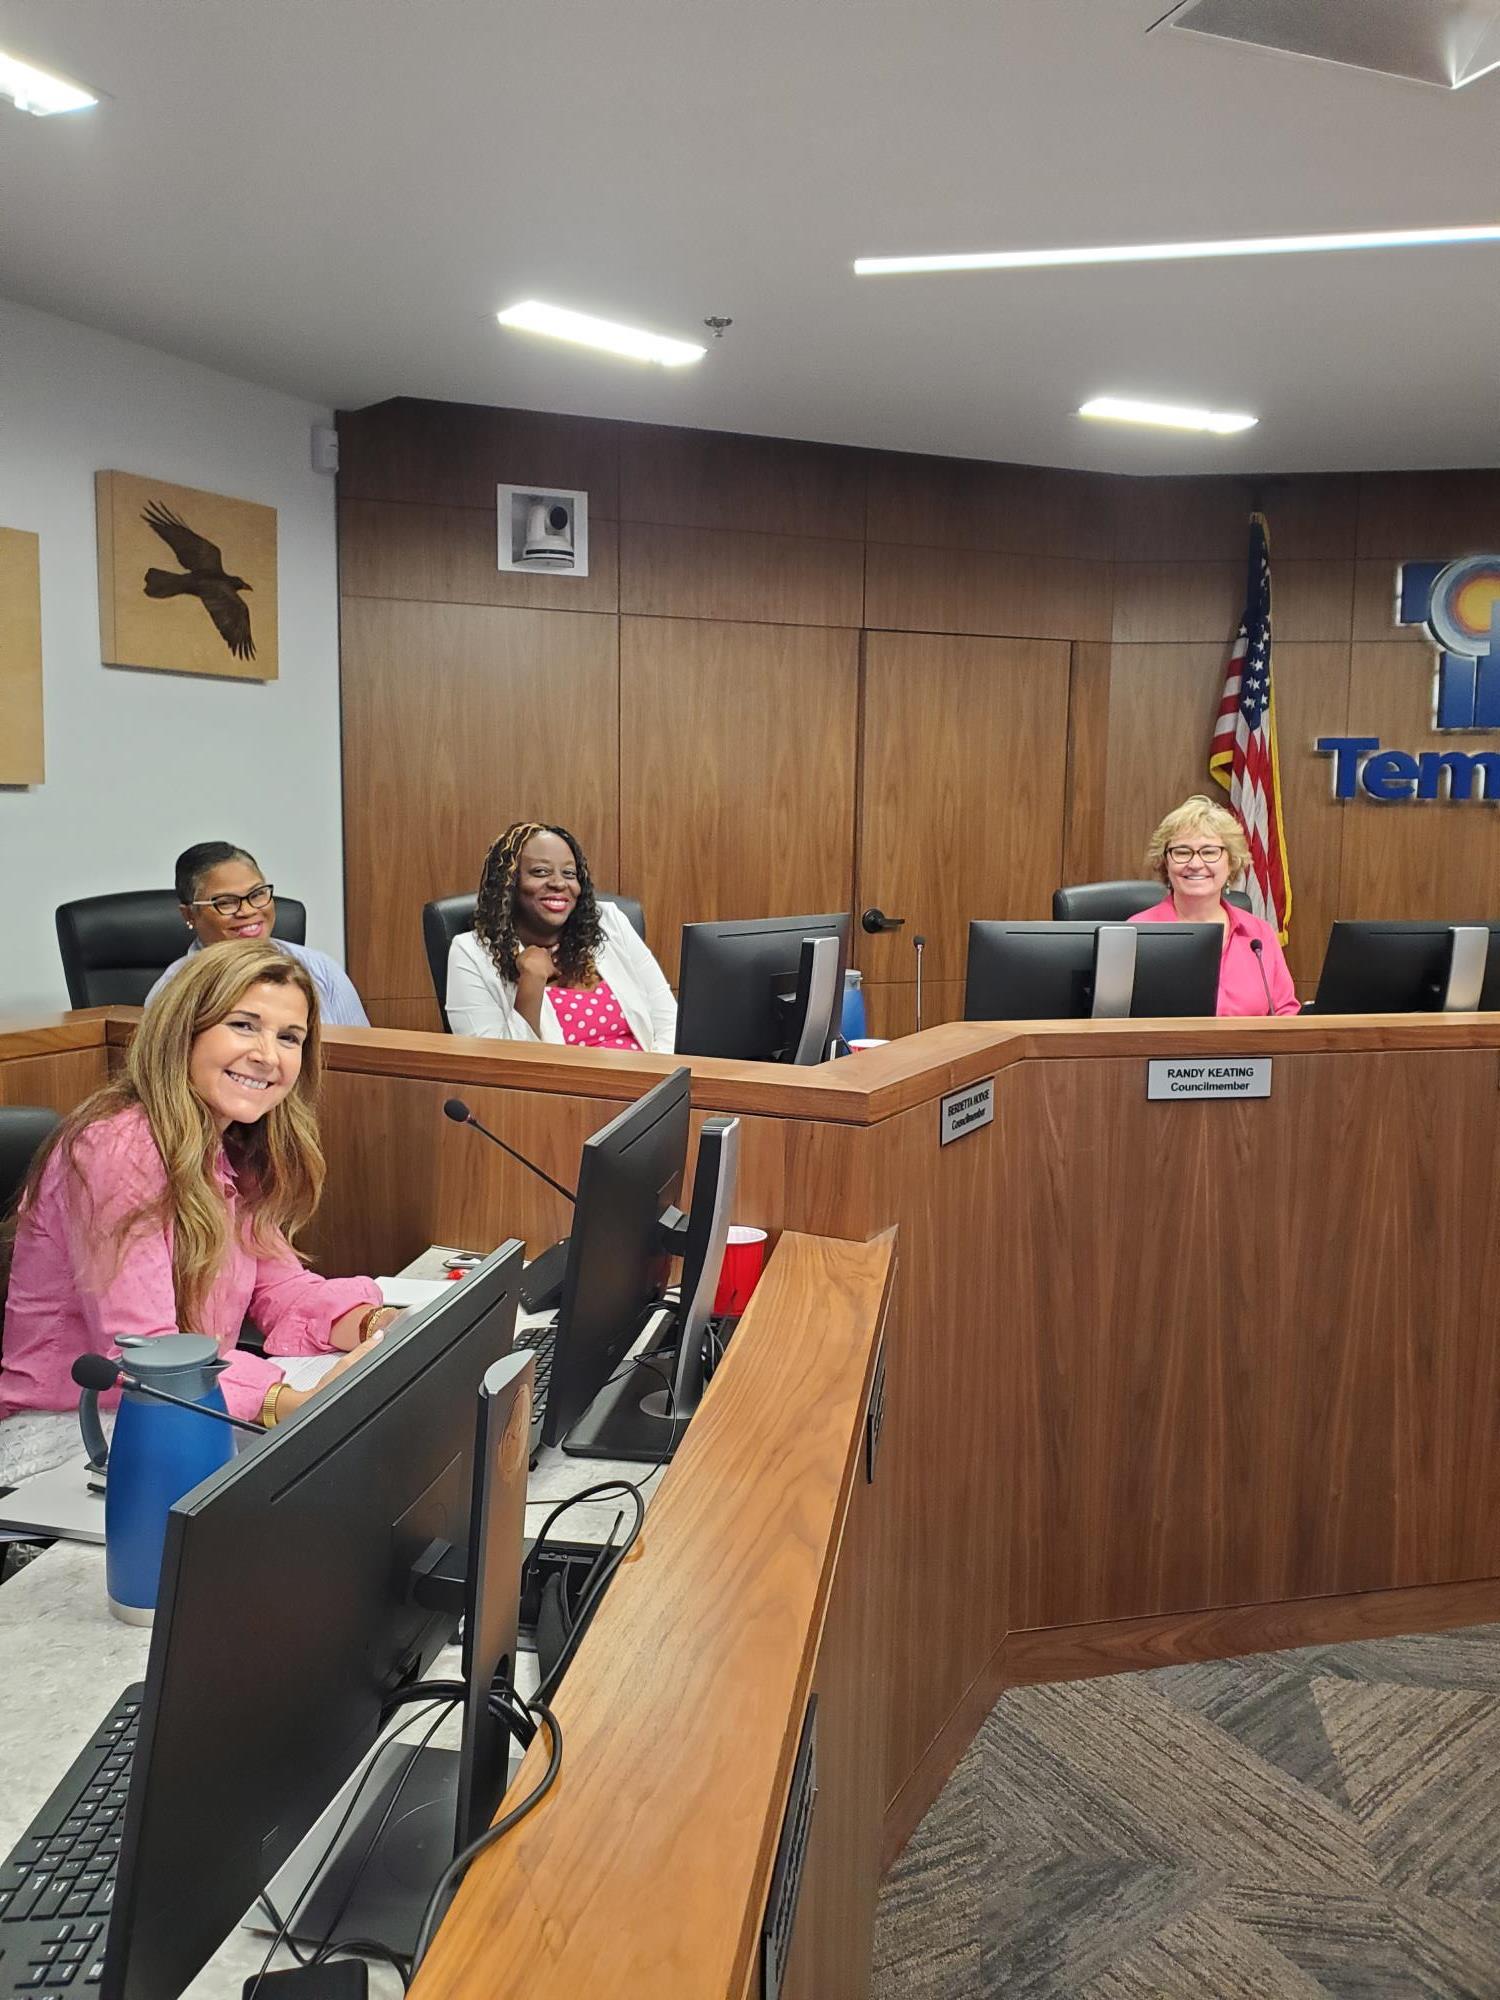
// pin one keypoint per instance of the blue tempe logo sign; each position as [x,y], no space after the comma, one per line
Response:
[1459,604]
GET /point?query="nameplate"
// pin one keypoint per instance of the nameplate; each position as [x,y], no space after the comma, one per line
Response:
[1217,1077]
[965,1111]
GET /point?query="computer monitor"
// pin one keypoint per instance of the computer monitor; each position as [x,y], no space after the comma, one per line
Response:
[629,1176]
[286,1621]
[1082,971]
[1410,968]
[643,1414]
[748,991]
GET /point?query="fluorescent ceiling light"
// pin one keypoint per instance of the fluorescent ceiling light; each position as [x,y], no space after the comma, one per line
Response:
[1164,253]
[634,342]
[1171,416]
[38,92]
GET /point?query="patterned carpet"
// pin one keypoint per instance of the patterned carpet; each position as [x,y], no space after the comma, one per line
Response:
[1286,1827]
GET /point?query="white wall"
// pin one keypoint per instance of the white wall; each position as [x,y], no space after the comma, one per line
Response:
[139,765]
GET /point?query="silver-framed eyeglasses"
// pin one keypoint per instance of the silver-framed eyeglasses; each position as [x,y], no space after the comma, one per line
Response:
[230,906]
[1209,854]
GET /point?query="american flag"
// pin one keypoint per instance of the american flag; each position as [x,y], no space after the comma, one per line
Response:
[1242,754]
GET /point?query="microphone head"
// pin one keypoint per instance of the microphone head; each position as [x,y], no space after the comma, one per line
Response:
[919,940]
[457,1110]
[96,1371]
[1257,945]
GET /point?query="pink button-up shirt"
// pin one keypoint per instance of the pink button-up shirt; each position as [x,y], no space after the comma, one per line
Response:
[71,1293]
[1241,988]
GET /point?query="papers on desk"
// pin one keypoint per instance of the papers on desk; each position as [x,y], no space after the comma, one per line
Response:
[413,1291]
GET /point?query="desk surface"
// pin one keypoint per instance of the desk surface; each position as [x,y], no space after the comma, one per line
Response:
[64,1661]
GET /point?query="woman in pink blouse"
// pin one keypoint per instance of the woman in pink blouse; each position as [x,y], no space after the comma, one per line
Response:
[169,1200]
[546,961]
[1198,849]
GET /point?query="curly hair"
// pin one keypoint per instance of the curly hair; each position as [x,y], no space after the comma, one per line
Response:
[495,914]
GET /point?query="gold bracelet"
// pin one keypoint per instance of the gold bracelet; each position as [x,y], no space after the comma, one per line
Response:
[367,1324]
[272,1404]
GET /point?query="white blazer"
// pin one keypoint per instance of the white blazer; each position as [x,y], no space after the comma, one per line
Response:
[480,1002]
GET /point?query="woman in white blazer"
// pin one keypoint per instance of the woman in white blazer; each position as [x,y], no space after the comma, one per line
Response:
[547,962]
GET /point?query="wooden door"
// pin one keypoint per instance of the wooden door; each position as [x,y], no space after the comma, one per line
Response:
[961,813]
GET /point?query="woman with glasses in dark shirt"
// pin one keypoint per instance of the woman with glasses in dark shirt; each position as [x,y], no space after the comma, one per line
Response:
[223,895]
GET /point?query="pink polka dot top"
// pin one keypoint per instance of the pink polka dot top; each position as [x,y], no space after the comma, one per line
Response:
[591,1017]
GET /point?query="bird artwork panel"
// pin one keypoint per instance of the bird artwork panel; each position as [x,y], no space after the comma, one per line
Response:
[187,579]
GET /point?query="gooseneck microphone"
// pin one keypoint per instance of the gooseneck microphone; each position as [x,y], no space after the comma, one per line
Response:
[98,1372]
[1258,947]
[459,1112]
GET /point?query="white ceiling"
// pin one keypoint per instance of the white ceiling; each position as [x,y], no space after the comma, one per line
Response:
[334,196]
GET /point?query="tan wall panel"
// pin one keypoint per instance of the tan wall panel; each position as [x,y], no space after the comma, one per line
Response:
[714,573]
[447,555]
[710,479]
[1193,601]
[954,503]
[419,1015]
[1312,696]
[22,761]
[1180,601]
[1375,590]
[1408,859]
[1181,520]
[61,1080]
[457,720]
[965,590]
[456,454]
[1088,764]
[737,747]
[1176,520]
[1162,704]
[891,1006]
[965,745]
[1407,516]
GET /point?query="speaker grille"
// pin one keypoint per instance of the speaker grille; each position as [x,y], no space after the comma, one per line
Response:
[791,1856]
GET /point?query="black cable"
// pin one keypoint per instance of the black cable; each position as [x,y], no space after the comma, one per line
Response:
[604,1489]
[453,1874]
[365,1948]
[421,1691]
[284,1924]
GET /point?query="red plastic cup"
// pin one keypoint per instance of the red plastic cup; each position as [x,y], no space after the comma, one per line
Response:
[739,1274]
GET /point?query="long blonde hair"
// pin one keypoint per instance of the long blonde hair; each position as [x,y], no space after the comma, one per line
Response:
[277,1162]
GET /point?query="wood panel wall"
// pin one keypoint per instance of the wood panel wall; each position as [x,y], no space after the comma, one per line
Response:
[800,677]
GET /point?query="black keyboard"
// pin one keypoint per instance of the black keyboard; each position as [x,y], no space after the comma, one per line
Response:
[57,1887]
[539,1341]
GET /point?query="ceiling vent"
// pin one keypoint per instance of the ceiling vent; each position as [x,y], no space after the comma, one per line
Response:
[1444,42]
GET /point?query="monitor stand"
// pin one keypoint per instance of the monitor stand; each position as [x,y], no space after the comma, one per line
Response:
[628,1419]
[390,1890]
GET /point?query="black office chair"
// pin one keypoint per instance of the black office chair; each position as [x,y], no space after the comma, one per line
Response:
[115,948]
[23,1127]
[450,916]
[1116,902]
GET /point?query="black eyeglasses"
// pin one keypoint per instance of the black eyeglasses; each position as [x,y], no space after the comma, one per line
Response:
[230,906]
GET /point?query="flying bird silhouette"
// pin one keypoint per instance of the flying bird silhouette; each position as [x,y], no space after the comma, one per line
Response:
[203,577]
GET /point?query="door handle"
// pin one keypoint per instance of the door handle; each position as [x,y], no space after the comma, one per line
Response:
[874,921]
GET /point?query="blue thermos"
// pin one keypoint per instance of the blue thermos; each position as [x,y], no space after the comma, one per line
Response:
[853,1025]
[158,1453]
